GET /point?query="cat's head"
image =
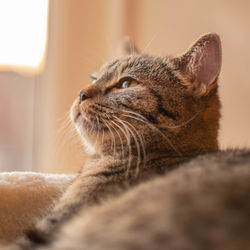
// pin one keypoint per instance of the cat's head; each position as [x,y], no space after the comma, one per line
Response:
[156,104]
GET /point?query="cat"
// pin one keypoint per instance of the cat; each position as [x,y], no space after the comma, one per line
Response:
[202,205]
[142,117]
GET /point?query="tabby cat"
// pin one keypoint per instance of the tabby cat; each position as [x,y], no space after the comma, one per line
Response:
[143,117]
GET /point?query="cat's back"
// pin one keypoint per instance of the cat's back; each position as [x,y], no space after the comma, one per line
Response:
[205,204]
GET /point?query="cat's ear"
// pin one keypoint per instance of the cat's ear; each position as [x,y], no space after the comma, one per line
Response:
[201,64]
[127,47]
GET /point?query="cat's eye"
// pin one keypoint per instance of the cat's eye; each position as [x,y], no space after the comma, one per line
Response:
[127,83]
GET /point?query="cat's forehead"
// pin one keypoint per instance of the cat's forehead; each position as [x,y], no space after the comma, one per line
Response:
[141,65]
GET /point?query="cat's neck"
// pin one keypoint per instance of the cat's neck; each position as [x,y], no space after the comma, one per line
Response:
[136,166]
[167,148]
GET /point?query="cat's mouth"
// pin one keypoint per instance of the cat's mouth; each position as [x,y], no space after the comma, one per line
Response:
[80,119]
[84,123]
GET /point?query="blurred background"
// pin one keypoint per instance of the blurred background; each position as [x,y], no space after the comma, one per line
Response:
[49,48]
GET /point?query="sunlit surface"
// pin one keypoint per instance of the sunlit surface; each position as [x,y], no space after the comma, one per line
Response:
[23,32]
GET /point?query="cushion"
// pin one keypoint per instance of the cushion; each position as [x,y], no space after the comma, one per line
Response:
[26,197]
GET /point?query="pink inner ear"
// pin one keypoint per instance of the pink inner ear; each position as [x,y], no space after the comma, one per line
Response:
[207,62]
[202,63]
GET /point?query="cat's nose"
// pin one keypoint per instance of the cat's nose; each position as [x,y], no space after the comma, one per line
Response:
[83,96]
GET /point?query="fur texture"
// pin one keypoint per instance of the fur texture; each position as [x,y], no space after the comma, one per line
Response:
[142,117]
[205,204]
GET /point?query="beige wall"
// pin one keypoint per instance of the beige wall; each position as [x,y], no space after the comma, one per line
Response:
[83,35]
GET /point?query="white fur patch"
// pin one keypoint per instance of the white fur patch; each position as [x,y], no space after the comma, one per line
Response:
[88,145]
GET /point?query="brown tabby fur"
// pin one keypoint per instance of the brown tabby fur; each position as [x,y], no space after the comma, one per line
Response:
[135,134]
[204,205]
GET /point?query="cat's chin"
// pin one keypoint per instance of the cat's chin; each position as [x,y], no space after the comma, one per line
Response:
[93,140]
[84,124]
[86,140]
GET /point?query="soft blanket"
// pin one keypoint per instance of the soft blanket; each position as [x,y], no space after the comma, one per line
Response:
[26,197]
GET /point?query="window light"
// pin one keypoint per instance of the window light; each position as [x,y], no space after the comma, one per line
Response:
[23,32]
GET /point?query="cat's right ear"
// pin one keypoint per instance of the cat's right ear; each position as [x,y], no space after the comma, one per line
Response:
[127,47]
[200,65]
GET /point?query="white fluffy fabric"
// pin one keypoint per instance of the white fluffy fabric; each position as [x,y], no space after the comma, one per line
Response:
[26,197]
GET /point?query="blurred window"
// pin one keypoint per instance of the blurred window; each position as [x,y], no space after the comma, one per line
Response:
[23,38]
[23,28]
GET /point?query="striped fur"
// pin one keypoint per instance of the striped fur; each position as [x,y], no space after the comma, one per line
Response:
[170,116]
[204,204]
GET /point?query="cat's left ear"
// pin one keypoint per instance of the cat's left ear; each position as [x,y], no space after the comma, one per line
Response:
[200,65]
[127,47]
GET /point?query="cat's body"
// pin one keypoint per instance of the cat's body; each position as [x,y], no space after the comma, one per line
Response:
[204,204]
[143,117]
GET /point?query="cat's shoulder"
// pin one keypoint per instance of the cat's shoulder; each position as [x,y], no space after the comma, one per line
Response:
[188,207]
[223,158]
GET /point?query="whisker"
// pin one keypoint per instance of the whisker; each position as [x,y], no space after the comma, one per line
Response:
[136,142]
[126,136]
[114,150]
[98,125]
[128,139]
[65,124]
[142,145]
[184,123]
[122,147]
[157,130]
[170,127]
[137,148]
[150,42]
[66,137]
[112,135]
[134,113]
